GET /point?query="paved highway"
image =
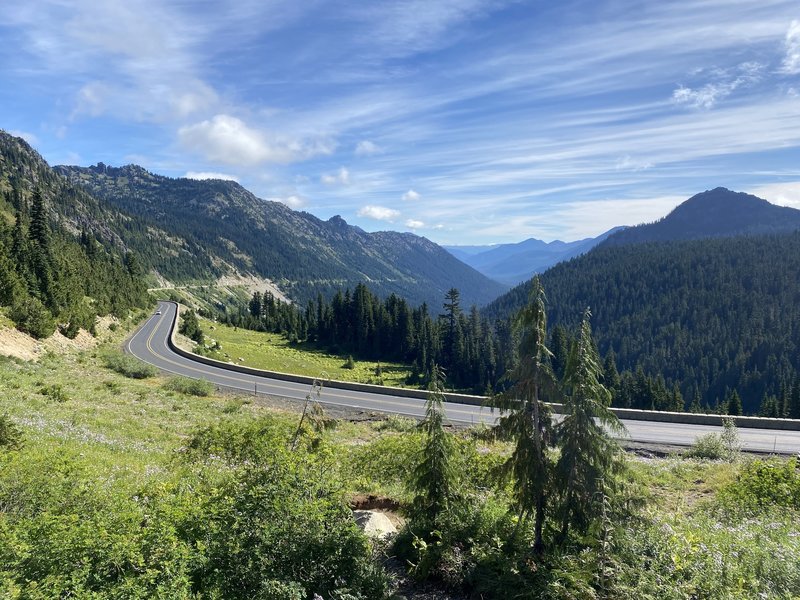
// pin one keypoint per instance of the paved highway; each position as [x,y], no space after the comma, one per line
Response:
[149,344]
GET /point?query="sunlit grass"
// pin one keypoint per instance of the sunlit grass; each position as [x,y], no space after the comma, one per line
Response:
[273,352]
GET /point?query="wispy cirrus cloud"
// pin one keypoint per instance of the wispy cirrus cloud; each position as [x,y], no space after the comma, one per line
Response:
[726,81]
[502,113]
[791,61]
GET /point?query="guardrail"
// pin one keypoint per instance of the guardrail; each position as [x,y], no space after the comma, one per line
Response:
[622,413]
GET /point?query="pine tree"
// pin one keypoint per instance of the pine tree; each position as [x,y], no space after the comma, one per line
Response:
[793,411]
[453,336]
[527,421]
[734,404]
[589,456]
[695,407]
[434,474]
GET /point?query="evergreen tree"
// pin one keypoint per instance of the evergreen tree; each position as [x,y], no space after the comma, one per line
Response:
[527,420]
[695,406]
[190,327]
[734,404]
[793,411]
[434,474]
[559,346]
[589,456]
[453,340]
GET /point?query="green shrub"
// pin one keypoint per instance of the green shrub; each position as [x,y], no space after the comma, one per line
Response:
[54,392]
[718,446]
[281,530]
[67,532]
[763,484]
[349,363]
[129,366]
[10,434]
[189,386]
[238,443]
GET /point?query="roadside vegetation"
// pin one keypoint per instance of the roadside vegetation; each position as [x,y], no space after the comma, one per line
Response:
[118,487]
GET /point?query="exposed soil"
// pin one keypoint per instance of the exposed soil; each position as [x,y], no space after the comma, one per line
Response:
[20,345]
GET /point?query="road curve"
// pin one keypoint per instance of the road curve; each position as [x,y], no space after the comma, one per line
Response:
[149,344]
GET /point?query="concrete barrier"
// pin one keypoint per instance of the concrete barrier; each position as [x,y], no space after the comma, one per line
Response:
[622,413]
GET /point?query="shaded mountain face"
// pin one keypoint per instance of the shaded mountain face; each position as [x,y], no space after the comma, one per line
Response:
[714,213]
[709,315]
[698,297]
[514,263]
[233,229]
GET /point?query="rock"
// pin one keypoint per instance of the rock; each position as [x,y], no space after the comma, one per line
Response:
[374,524]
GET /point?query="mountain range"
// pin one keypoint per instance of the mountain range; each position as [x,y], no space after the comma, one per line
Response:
[185,230]
[514,263]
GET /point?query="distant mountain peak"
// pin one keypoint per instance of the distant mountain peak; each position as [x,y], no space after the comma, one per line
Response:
[718,212]
[513,263]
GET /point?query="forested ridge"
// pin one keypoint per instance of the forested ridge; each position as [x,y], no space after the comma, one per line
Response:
[230,228]
[50,275]
[708,316]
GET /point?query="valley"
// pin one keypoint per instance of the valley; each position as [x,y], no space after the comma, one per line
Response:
[175,478]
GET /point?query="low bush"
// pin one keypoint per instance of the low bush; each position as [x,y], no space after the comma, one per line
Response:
[10,434]
[763,484]
[128,366]
[189,386]
[718,446]
[54,392]
[238,443]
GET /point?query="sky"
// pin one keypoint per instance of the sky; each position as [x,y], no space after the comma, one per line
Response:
[466,121]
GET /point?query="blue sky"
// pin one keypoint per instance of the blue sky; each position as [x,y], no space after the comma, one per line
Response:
[466,121]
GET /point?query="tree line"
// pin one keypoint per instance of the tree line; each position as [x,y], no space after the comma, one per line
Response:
[474,351]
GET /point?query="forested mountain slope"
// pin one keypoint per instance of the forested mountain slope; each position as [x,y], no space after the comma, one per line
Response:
[303,254]
[53,269]
[710,315]
[713,213]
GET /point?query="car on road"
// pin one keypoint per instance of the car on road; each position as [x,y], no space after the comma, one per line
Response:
[158,312]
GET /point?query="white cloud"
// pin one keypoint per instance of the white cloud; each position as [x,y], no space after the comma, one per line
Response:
[704,97]
[341,177]
[725,83]
[414,224]
[28,137]
[411,196]
[210,175]
[379,213]
[229,140]
[626,163]
[791,62]
[367,148]
[294,201]
[782,194]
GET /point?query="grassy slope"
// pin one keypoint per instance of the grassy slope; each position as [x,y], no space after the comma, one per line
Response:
[273,352]
[125,434]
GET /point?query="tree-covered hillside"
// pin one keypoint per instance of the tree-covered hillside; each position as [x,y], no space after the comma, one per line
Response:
[713,213]
[300,252]
[48,275]
[711,315]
